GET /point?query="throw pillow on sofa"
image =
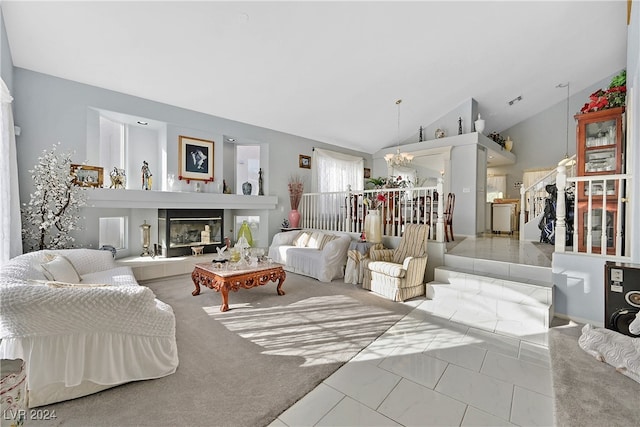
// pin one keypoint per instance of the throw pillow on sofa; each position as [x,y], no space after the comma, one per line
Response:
[301,239]
[60,269]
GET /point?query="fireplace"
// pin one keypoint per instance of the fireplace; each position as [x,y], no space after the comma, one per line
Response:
[181,229]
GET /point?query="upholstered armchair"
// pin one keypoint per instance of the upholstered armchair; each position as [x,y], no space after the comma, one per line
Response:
[398,274]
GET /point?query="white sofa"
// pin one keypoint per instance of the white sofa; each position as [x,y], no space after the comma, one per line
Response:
[318,254]
[84,328]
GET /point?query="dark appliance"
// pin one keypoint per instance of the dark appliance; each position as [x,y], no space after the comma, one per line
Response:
[621,295]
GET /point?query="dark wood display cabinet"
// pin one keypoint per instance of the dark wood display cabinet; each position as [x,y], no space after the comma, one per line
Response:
[600,142]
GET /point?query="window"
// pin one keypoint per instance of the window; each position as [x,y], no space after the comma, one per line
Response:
[112,232]
[335,171]
[496,187]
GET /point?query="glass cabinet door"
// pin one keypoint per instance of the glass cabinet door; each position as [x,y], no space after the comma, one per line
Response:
[600,160]
[600,133]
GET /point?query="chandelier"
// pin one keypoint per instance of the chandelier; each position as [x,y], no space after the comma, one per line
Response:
[398,159]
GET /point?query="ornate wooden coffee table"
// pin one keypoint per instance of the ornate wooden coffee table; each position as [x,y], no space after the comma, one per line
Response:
[225,279]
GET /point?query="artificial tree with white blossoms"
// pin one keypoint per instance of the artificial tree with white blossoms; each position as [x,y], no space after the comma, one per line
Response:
[52,211]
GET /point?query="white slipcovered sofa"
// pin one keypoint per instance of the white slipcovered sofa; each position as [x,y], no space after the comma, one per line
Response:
[81,324]
[318,254]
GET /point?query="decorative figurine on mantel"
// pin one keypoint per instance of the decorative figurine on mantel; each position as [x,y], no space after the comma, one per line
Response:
[260,190]
[146,176]
[459,125]
[118,178]
[225,187]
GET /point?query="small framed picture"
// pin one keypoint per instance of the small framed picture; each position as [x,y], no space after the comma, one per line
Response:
[195,157]
[367,173]
[305,161]
[87,176]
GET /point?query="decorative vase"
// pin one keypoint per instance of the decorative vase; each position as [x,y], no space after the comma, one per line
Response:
[246,188]
[373,226]
[294,218]
[479,124]
[508,144]
[145,230]
[246,232]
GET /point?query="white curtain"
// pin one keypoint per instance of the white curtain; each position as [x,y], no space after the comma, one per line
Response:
[10,224]
[531,176]
[335,171]
[496,187]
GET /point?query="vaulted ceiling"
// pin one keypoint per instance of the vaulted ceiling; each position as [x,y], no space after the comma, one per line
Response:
[329,71]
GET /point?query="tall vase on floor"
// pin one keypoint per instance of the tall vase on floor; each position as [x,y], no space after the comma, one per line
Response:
[294,218]
[373,226]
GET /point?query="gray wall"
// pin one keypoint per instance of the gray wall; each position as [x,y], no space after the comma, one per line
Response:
[6,62]
[541,140]
[50,109]
[467,110]
[579,287]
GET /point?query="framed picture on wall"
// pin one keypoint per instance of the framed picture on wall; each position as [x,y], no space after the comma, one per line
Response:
[87,176]
[195,157]
[367,173]
[305,161]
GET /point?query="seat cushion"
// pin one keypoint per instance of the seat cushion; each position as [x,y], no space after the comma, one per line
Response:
[387,268]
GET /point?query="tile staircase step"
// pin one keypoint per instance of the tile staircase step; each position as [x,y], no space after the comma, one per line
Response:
[529,292]
[501,304]
[487,305]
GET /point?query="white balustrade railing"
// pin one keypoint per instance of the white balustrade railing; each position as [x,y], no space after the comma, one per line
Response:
[345,210]
[600,200]
[532,198]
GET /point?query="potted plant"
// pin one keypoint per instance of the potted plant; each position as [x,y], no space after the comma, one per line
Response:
[614,96]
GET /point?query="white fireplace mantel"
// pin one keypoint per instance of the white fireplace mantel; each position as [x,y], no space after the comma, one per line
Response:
[120,198]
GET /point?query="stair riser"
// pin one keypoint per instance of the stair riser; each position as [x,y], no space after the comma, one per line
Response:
[475,314]
[446,296]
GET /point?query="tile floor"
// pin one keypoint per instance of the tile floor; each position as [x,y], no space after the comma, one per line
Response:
[428,371]
[503,248]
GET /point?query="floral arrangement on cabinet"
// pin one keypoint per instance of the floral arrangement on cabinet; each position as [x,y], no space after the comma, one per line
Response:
[53,209]
[612,97]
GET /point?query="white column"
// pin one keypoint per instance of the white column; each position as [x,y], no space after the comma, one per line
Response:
[440,220]
[523,209]
[561,211]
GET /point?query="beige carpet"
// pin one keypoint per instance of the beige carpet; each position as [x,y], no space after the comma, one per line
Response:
[589,393]
[243,367]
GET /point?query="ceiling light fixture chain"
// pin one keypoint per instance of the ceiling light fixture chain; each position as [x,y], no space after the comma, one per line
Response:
[398,159]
